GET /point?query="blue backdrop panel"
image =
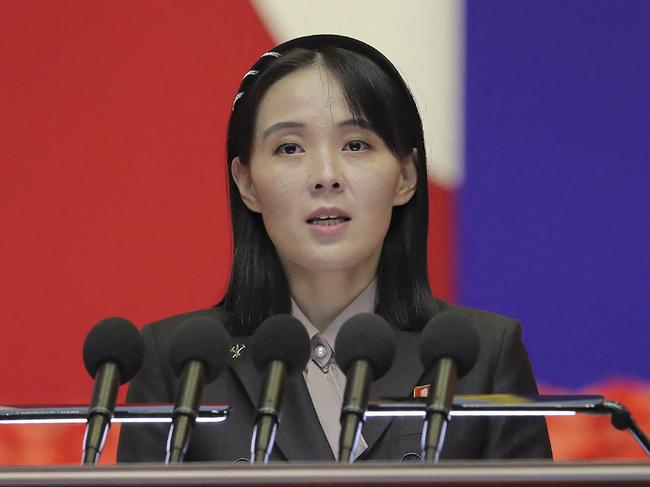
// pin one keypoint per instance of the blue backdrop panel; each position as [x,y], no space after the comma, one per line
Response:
[554,224]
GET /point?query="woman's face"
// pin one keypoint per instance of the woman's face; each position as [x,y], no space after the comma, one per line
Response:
[324,184]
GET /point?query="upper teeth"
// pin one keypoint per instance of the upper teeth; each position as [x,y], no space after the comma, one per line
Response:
[326,217]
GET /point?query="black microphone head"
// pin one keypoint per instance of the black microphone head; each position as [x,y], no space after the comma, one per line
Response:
[284,338]
[116,340]
[366,336]
[450,335]
[203,339]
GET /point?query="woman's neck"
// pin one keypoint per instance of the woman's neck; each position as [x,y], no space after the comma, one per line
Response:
[322,296]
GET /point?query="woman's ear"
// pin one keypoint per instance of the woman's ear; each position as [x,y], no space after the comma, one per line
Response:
[408,179]
[241,173]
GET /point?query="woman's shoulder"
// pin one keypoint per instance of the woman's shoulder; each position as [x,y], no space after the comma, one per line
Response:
[503,365]
[166,326]
[489,325]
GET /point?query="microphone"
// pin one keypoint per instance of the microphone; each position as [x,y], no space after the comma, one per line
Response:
[198,356]
[449,347]
[280,348]
[112,353]
[364,350]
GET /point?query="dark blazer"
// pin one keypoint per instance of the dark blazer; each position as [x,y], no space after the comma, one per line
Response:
[502,367]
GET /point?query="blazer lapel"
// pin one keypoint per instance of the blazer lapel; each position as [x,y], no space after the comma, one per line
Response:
[299,435]
[243,368]
[398,382]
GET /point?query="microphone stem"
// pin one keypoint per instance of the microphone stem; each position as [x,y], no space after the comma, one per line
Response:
[188,399]
[355,402]
[96,429]
[263,438]
[179,438]
[434,437]
[441,394]
[268,410]
[102,404]
[350,429]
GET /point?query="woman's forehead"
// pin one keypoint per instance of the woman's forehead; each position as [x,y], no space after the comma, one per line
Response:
[310,95]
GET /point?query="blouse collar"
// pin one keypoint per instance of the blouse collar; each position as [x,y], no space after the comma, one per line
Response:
[363,303]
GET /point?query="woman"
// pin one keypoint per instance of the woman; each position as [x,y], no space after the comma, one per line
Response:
[328,194]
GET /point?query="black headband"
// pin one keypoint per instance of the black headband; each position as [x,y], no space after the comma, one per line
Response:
[316,42]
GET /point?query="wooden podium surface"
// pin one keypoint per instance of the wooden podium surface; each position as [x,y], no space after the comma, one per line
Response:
[321,475]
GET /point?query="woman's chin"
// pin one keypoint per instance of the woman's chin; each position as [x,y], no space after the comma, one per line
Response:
[336,262]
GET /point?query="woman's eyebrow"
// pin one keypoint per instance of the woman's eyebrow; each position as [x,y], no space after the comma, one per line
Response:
[350,122]
[281,126]
[357,122]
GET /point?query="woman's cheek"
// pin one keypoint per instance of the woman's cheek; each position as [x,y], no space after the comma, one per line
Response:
[380,191]
[277,192]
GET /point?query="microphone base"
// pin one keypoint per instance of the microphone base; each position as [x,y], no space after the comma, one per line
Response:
[263,439]
[90,456]
[94,439]
[433,437]
[175,456]
[351,425]
[179,438]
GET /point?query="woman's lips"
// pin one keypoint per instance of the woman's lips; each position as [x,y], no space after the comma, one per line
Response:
[327,212]
[328,227]
[327,221]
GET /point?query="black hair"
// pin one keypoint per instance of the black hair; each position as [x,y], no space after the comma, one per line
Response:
[376,93]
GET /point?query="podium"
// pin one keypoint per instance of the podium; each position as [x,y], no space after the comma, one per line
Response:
[371,474]
[457,474]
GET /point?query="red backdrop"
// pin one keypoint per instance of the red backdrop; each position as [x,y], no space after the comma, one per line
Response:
[113,177]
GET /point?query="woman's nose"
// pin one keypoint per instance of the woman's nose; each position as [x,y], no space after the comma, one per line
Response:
[325,186]
[325,176]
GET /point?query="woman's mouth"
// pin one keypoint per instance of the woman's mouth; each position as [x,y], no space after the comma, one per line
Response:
[328,221]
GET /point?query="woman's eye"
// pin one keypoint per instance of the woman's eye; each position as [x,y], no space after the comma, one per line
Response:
[356,146]
[288,149]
